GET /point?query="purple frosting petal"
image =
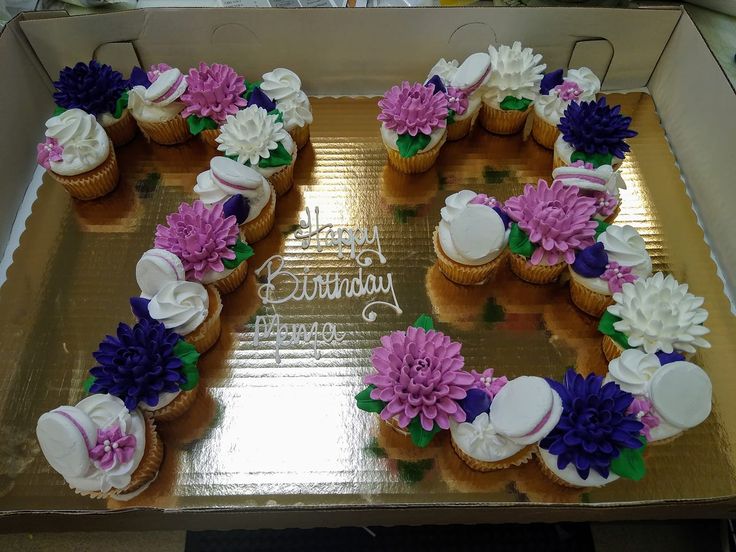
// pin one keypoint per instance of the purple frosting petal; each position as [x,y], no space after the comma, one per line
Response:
[594,127]
[591,262]
[550,80]
[237,205]
[475,402]
[93,87]
[139,306]
[138,77]
[504,216]
[259,98]
[439,86]
[666,358]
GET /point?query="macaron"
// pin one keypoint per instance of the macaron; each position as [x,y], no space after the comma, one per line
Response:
[155,268]
[167,88]
[681,393]
[477,232]
[233,177]
[472,73]
[66,435]
[594,180]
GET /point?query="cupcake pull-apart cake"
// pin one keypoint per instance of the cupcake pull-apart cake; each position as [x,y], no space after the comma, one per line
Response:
[158,108]
[284,87]
[601,183]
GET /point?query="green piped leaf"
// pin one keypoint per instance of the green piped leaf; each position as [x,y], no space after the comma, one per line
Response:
[630,462]
[276,113]
[87,384]
[197,124]
[597,159]
[410,145]
[280,157]
[243,252]
[602,225]
[450,116]
[510,103]
[189,357]
[366,403]
[235,158]
[420,436]
[58,110]
[425,322]
[519,242]
[605,326]
[120,105]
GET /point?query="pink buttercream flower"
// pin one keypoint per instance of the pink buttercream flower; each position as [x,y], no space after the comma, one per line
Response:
[568,91]
[113,448]
[419,373]
[200,237]
[488,201]
[213,91]
[556,218]
[413,109]
[605,203]
[457,100]
[642,408]
[485,381]
[156,69]
[617,275]
[48,151]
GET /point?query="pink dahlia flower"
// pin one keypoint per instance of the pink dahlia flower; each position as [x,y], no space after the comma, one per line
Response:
[156,69]
[413,108]
[556,219]
[213,91]
[200,237]
[420,373]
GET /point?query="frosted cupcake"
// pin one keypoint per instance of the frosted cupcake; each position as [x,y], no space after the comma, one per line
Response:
[101,91]
[244,192]
[555,94]
[147,367]
[213,92]
[463,86]
[550,223]
[256,137]
[78,155]
[654,314]
[470,240]
[417,382]
[285,88]
[208,244]
[593,132]
[516,73]
[100,448]
[413,125]
[618,256]
[601,183]
[595,441]
[157,109]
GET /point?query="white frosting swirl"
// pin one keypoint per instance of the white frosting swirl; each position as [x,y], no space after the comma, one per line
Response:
[515,71]
[551,107]
[250,135]
[180,306]
[480,440]
[149,112]
[625,246]
[85,143]
[444,69]
[633,371]
[280,84]
[588,82]
[296,109]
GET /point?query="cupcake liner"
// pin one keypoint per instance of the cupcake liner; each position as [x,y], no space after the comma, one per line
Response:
[666,441]
[557,161]
[610,218]
[207,333]
[259,227]
[208,136]
[502,121]
[283,180]
[123,130]
[545,134]
[521,457]
[394,424]
[535,274]
[232,281]
[92,184]
[587,300]
[552,475]
[418,163]
[459,129]
[610,348]
[177,407]
[167,133]
[300,135]
[466,274]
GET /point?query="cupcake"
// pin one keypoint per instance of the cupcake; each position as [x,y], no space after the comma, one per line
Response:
[77,154]
[555,94]
[595,441]
[463,87]
[255,136]
[241,190]
[212,93]
[102,449]
[470,240]
[148,367]
[208,244]
[511,89]
[601,183]
[100,91]
[618,256]
[593,132]
[413,125]
[655,314]
[417,382]
[157,109]
[285,88]
[550,223]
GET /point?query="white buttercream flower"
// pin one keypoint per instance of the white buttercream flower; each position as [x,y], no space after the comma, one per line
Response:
[250,135]
[515,72]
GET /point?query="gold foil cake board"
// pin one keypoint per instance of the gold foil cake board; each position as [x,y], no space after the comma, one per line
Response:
[265,435]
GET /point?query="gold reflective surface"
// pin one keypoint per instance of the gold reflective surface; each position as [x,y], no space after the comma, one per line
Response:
[268,434]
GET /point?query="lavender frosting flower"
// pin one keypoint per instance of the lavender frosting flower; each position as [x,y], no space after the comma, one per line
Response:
[93,88]
[413,109]
[213,91]
[596,128]
[113,448]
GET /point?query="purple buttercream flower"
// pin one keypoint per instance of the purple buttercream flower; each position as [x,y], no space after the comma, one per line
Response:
[617,275]
[596,128]
[605,203]
[260,98]
[486,382]
[475,402]
[457,100]
[113,448]
[138,77]
[48,151]
[413,109]
[237,206]
[569,91]
[419,373]
[594,425]
[642,408]
[592,261]
[549,81]
[138,364]
[213,91]
[156,69]
[93,88]
[666,358]
[439,86]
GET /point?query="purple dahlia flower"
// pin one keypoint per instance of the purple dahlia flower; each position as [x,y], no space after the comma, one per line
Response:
[413,109]
[594,127]
[213,91]
[93,88]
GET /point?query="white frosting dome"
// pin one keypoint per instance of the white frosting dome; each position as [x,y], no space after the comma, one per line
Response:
[588,82]
[480,440]
[571,475]
[180,306]
[280,84]
[681,393]
[633,370]
[250,135]
[155,268]
[444,69]
[624,245]
[296,109]
[658,313]
[515,71]
[85,143]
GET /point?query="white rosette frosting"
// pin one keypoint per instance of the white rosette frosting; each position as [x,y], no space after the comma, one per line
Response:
[625,246]
[633,371]
[551,107]
[470,234]
[480,440]
[180,306]
[280,84]
[659,314]
[67,435]
[587,81]
[85,143]
[515,71]
[159,102]
[296,109]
